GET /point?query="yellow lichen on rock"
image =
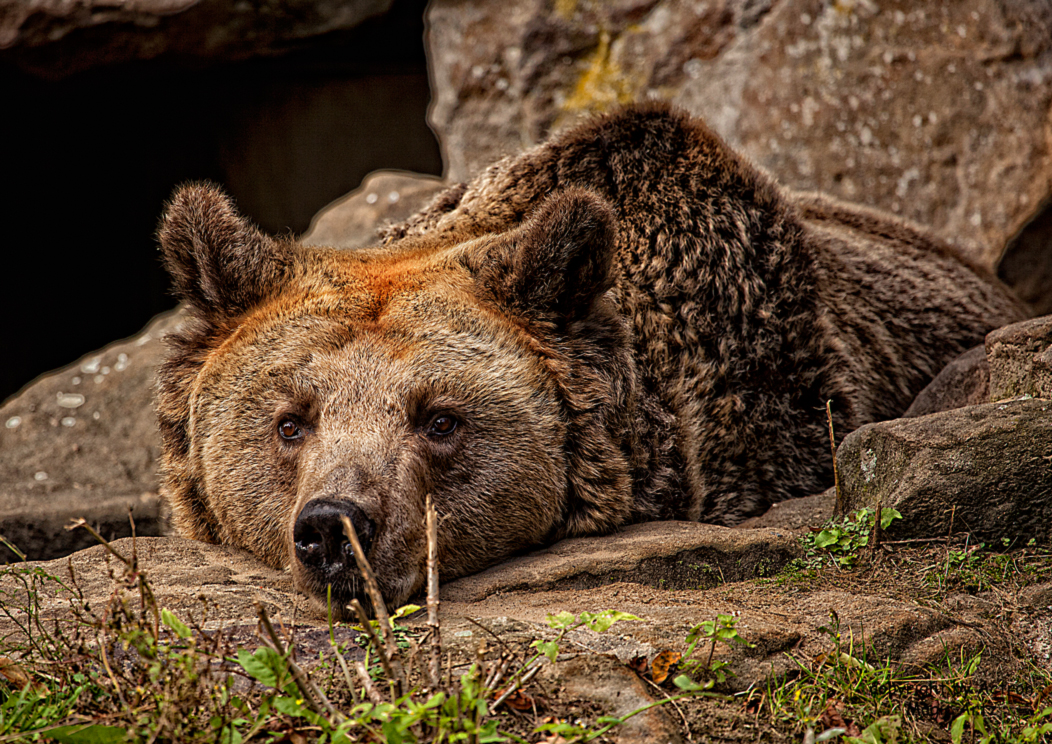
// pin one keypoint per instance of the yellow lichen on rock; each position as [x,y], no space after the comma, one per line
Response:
[603,84]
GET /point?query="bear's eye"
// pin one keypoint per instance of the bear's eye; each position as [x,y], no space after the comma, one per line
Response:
[289,429]
[442,425]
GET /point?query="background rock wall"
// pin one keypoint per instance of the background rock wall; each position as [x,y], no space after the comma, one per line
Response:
[937,111]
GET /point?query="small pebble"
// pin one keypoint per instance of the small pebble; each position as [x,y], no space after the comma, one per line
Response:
[70,400]
[40,475]
[13,422]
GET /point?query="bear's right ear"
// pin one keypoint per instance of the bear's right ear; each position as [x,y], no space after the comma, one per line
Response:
[558,262]
[220,262]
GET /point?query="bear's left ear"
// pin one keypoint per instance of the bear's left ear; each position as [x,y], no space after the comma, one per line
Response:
[559,261]
[220,262]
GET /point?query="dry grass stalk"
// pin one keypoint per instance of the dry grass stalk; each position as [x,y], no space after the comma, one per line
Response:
[386,660]
[312,696]
[367,684]
[832,447]
[435,640]
[372,588]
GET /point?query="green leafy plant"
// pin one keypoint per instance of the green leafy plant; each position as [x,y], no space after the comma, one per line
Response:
[841,540]
[723,629]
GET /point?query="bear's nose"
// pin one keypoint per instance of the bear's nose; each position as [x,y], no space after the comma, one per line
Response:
[319,537]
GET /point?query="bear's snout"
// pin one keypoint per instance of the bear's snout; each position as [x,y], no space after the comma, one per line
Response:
[320,543]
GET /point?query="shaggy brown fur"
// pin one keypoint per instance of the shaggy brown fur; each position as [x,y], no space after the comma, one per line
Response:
[629,322]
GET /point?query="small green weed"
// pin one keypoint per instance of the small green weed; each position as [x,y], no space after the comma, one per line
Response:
[710,633]
[841,540]
[844,695]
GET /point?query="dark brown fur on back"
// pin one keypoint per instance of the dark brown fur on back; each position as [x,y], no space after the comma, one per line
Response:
[750,306]
[630,321]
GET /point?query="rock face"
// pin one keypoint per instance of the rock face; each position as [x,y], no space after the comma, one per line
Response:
[1020,359]
[963,382]
[83,442]
[672,555]
[896,105]
[984,467]
[58,38]
[384,196]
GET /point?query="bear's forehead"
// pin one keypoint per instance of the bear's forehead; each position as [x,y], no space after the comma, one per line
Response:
[379,314]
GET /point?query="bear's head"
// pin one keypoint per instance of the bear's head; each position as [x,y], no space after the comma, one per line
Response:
[492,373]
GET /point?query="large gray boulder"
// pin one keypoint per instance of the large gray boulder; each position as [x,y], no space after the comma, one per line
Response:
[980,469]
[1020,359]
[54,39]
[938,113]
[83,442]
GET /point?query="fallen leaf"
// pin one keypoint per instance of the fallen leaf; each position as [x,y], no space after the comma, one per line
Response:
[663,664]
[14,673]
[518,700]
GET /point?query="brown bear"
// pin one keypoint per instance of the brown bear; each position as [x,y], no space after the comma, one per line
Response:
[629,322]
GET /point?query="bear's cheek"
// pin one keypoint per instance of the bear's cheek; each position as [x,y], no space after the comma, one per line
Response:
[251,490]
[502,494]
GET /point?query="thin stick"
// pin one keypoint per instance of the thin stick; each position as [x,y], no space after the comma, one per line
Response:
[832,447]
[435,640]
[516,685]
[381,650]
[878,531]
[109,671]
[11,546]
[80,523]
[315,698]
[659,688]
[379,607]
[367,683]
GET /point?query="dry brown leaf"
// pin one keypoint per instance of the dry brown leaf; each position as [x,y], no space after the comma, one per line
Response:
[663,664]
[517,700]
[19,678]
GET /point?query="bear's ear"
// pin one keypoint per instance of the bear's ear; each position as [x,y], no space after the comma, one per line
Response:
[559,261]
[220,262]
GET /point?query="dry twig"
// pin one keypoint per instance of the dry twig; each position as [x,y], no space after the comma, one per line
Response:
[372,588]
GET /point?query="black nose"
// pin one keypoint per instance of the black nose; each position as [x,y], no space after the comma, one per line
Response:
[320,541]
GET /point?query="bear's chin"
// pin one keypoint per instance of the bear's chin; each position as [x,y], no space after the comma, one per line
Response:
[335,599]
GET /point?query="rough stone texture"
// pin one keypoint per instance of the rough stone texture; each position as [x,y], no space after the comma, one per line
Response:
[384,196]
[180,571]
[938,112]
[796,515]
[668,555]
[987,465]
[1020,359]
[963,382]
[618,690]
[54,39]
[83,442]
